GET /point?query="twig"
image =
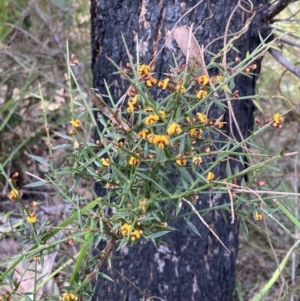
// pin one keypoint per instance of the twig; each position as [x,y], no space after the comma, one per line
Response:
[286,41]
[231,206]
[284,61]
[32,37]
[204,222]
[127,279]
[275,9]
[36,177]
[171,33]
[231,113]
[52,29]
[265,192]
[24,58]
[106,110]
[232,117]
[205,19]
[233,188]
[296,213]
[284,31]
[226,46]
[273,251]
[286,20]
[103,257]
[187,55]
[234,35]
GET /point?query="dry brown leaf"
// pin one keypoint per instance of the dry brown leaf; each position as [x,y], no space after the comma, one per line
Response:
[188,45]
[192,50]
[107,111]
[28,273]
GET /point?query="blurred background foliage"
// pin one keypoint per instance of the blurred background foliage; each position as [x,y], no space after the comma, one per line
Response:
[280,90]
[33,37]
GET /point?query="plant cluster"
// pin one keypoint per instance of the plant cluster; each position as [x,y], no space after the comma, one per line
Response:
[153,154]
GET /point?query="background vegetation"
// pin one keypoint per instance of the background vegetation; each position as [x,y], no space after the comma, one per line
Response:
[33,37]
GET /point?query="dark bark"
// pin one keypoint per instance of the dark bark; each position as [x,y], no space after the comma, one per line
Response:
[188,267]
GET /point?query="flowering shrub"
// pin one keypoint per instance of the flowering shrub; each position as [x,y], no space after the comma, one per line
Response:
[163,137]
[159,149]
[153,153]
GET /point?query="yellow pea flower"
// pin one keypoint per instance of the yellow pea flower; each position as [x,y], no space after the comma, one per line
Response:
[130,107]
[151,119]
[258,216]
[133,100]
[174,128]
[161,141]
[163,113]
[143,70]
[150,138]
[133,161]
[180,88]
[141,203]
[13,194]
[105,161]
[181,161]
[210,176]
[201,94]
[149,109]
[278,118]
[197,160]
[151,81]
[195,133]
[125,229]
[164,83]
[31,218]
[203,80]
[188,119]
[202,117]
[75,123]
[135,234]
[69,296]
[143,133]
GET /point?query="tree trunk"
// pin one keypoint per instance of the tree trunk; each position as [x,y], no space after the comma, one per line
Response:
[187,267]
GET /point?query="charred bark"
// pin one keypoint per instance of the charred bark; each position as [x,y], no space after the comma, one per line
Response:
[187,267]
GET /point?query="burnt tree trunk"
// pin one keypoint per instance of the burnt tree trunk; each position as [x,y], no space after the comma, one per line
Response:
[187,267]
